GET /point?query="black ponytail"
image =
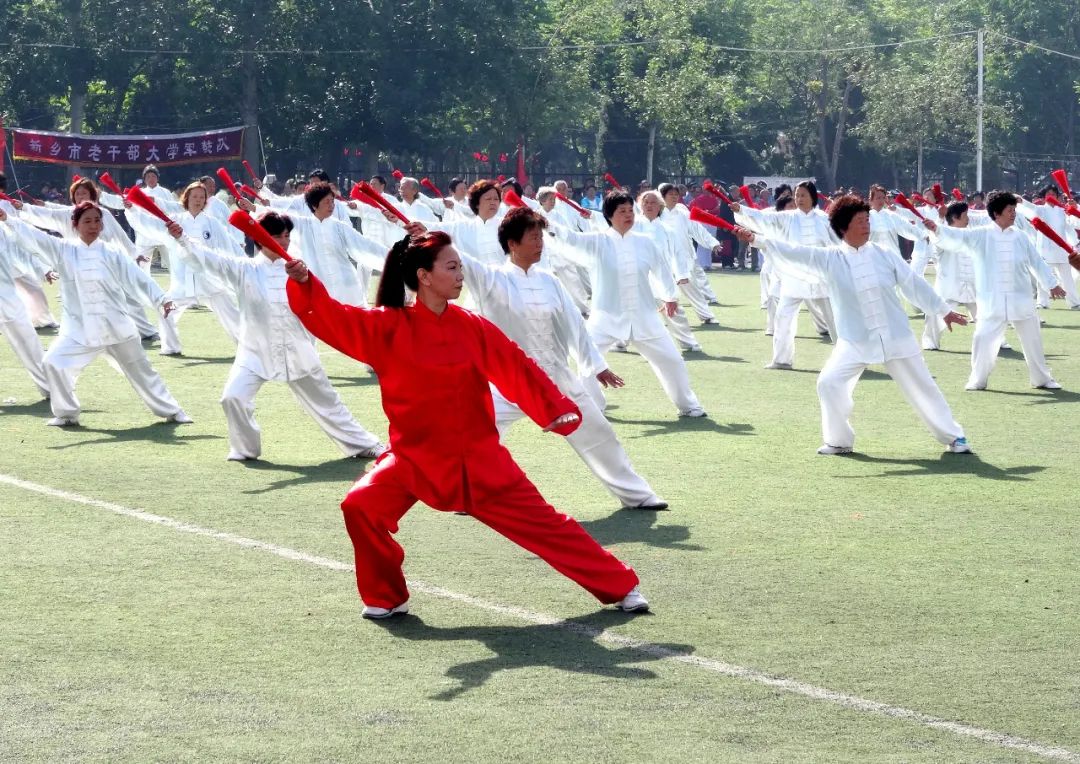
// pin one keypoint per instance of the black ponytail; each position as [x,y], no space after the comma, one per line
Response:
[402,261]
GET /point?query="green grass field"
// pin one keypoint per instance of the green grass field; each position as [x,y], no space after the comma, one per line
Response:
[941,584]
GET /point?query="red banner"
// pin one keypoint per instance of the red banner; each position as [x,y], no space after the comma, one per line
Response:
[127,150]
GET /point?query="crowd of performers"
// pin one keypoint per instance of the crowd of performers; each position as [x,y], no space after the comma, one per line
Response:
[483,299]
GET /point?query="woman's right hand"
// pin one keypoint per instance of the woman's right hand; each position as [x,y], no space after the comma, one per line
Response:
[297,270]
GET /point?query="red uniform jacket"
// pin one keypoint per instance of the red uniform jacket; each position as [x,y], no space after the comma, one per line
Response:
[434,373]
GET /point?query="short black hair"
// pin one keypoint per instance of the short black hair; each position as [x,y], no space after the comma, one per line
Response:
[518,222]
[477,190]
[150,169]
[1042,192]
[379,178]
[615,199]
[844,211]
[784,201]
[454,183]
[319,173]
[955,210]
[811,188]
[998,201]
[275,223]
[315,193]
[664,188]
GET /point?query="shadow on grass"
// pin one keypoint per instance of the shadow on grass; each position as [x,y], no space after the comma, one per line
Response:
[699,355]
[360,380]
[1040,397]
[571,645]
[164,433]
[946,464]
[343,471]
[202,360]
[40,406]
[639,525]
[685,424]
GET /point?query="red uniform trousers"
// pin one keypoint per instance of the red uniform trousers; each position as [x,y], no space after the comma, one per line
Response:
[376,503]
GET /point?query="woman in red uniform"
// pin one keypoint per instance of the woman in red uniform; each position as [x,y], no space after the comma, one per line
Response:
[434,361]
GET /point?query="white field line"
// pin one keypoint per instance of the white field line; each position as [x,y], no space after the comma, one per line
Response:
[843,700]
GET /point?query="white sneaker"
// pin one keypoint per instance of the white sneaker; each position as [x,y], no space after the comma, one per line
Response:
[1051,385]
[827,450]
[180,417]
[781,366]
[693,413]
[960,446]
[371,453]
[59,421]
[973,386]
[1005,346]
[693,349]
[633,602]
[378,613]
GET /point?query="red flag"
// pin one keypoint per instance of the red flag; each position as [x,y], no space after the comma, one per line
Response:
[699,215]
[907,205]
[253,230]
[227,181]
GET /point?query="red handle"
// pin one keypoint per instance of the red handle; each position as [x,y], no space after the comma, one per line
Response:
[701,216]
[744,192]
[1062,180]
[611,179]
[426,183]
[712,189]
[136,196]
[251,192]
[253,230]
[109,183]
[572,203]
[376,197]
[1044,228]
[227,181]
[907,205]
[958,195]
[247,166]
[511,198]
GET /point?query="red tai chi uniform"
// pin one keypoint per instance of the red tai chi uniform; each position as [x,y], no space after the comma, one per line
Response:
[434,372]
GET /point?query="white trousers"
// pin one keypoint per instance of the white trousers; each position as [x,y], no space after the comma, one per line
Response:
[986,342]
[37,305]
[27,348]
[699,301]
[595,442]
[1064,272]
[787,325]
[935,325]
[66,358]
[220,302]
[315,395]
[836,387]
[666,362]
[771,304]
[700,279]
[679,326]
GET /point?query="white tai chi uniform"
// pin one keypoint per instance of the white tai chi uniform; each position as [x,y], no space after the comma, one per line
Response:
[339,255]
[955,283]
[14,320]
[150,233]
[872,328]
[28,285]
[684,232]
[678,325]
[624,307]
[808,229]
[1005,262]
[535,311]
[57,217]
[188,288]
[273,347]
[94,282]
[1055,256]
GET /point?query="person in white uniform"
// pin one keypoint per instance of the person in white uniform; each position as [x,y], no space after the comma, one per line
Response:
[188,288]
[625,267]
[872,326]
[684,233]
[27,284]
[535,311]
[1055,256]
[273,347]
[955,278]
[94,282]
[1005,261]
[15,322]
[806,225]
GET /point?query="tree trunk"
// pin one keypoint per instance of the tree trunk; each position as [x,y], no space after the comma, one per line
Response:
[649,160]
[249,107]
[599,162]
[80,77]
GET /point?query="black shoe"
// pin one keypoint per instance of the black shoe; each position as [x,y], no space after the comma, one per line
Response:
[657,507]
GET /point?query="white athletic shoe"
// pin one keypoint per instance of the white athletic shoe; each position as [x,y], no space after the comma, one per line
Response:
[827,450]
[692,349]
[780,366]
[59,421]
[1051,385]
[960,446]
[693,413]
[378,613]
[181,417]
[973,386]
[371,453]
[633,602]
